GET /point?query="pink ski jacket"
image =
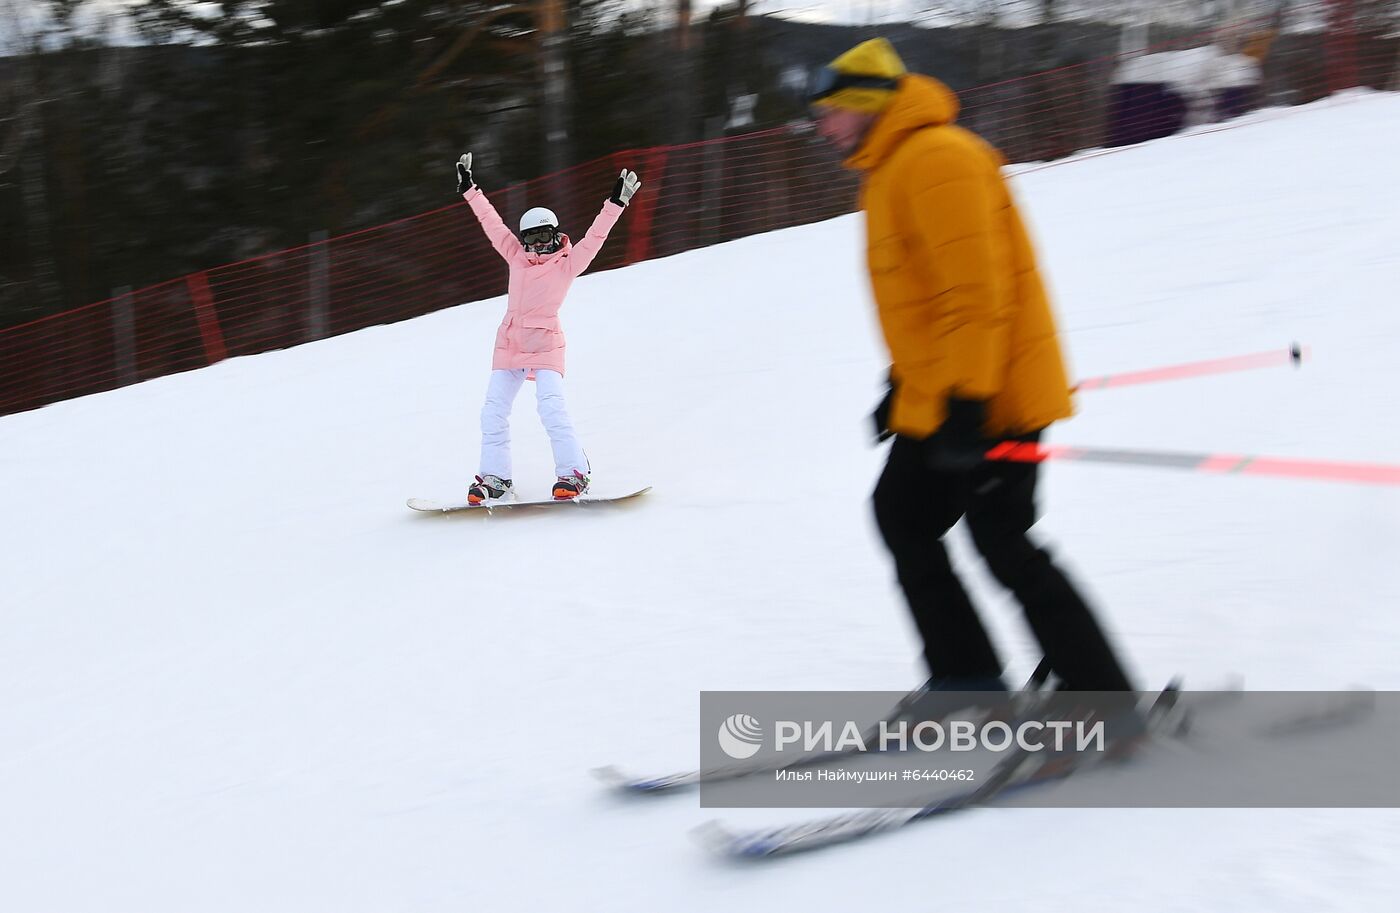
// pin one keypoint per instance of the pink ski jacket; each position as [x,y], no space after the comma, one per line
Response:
[530,336]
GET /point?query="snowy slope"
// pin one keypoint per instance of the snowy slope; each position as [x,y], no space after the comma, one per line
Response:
[239,675]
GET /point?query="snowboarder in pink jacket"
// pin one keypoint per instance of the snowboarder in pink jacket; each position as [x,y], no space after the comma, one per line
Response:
[530,342]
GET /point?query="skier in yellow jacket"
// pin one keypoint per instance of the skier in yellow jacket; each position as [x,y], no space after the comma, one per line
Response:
[975,360]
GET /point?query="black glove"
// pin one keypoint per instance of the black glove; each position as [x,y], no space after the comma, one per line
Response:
[464,174]
[958,445]
[881,415]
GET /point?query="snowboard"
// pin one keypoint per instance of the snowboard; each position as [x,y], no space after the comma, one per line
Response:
[447,507]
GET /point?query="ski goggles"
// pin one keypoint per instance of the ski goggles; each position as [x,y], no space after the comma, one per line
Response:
[826,82]
[535,236]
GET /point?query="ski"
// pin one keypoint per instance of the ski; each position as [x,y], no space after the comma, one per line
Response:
[618,779]
[820,832]
[1012,773]
[1348,707]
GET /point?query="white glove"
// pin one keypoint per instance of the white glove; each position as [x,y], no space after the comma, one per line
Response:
[627,184]
[464,173]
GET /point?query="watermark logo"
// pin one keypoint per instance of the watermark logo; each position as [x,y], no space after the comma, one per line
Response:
[740,736]
[849,749]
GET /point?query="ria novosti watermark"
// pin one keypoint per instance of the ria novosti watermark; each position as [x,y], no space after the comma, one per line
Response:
[741,736]
[1245,749]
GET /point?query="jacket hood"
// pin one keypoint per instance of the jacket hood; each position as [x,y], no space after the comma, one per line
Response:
[920,101]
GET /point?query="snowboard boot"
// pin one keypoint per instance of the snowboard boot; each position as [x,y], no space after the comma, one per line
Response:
[568,487]
[488,488]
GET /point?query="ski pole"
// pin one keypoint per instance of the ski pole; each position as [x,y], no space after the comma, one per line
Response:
[1216,463]
[1294,355]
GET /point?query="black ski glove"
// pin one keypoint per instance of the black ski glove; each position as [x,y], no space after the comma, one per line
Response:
[881,415]
[464,174]
[958,445]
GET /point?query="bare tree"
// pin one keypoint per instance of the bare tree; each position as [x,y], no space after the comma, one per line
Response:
[22,153]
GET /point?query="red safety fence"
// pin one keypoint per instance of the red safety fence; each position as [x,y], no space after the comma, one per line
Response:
[692,196]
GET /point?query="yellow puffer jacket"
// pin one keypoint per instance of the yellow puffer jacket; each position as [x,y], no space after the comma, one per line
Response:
[960,302]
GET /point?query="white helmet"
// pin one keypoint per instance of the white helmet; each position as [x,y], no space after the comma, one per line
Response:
[538,218]
[539,231]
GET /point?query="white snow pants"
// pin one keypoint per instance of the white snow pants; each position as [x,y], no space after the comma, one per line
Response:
[495,422]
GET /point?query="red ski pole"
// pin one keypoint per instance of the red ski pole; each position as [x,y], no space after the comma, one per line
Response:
[1294,355]
[1218,463]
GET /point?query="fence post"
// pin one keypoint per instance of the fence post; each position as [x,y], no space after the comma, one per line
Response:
[712,185]
[639,232]
[123,336]
[207,317]
[1341,46]
[317,317]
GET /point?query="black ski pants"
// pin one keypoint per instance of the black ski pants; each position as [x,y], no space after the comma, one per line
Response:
[915,508]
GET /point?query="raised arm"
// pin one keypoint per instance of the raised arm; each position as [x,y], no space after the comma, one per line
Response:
[501,237]
[592,242]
